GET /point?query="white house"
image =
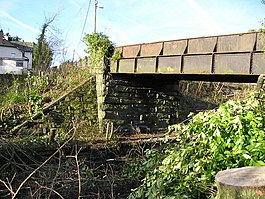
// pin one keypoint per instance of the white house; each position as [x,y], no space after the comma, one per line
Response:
[14,56]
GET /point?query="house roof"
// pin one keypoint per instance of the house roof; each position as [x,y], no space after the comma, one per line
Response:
[22,46]
[6,43]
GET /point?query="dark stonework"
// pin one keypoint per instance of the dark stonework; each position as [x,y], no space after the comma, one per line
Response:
[138,104]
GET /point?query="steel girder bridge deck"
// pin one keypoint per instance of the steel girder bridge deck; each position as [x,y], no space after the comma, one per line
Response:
[234,57]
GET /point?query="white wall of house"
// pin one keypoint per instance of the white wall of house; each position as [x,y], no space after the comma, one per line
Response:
[29,55]
[10,52]
[9,66]
[12,66]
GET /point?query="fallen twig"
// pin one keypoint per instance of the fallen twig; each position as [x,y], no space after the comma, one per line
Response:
[9,187]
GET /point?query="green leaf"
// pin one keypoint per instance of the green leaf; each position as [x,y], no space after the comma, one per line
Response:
[246,156]
[259,163]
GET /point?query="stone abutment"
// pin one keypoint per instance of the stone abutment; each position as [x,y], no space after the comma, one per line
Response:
[136,103]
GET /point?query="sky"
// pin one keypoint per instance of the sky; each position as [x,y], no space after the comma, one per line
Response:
[128,21]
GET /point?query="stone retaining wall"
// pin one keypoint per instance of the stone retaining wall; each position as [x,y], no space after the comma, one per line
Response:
[78,106]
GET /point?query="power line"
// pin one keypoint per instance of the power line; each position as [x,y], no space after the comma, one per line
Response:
[88,8]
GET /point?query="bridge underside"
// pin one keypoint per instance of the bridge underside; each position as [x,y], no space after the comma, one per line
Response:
[192,77]
[237,57]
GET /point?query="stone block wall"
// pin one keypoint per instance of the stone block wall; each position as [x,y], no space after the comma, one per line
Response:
[138,103]
[79,106]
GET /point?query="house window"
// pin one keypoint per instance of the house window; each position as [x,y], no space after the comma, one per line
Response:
[19,64]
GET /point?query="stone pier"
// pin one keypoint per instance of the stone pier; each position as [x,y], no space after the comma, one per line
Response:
[136,104]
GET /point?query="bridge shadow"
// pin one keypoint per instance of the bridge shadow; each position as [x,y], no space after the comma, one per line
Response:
[189,104]
[197,96]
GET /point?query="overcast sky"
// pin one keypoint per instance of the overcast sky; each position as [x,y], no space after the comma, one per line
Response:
[131,21]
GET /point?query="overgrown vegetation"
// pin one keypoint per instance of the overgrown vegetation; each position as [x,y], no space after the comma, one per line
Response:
[27,98]
[100,49]
[24,99]
[229,137]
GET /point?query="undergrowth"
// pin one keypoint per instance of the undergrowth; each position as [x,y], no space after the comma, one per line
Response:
[28,97]
[39,169]
[231,136]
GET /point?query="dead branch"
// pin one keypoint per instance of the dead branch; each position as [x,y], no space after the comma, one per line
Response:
[57,173]
[50,189]
[78,170]
[9,187]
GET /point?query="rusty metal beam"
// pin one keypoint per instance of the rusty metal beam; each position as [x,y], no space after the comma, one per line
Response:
[235,54]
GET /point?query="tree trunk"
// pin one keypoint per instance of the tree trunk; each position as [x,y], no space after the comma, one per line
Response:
[241,183]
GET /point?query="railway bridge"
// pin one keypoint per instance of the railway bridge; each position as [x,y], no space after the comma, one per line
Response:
[140,89]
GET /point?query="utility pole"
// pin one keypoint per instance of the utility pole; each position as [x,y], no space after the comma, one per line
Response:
[95,15]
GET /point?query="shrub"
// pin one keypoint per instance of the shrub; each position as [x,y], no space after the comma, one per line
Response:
[100,48]
[231,136]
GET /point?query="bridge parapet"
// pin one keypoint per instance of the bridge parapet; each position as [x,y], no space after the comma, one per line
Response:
[234,54]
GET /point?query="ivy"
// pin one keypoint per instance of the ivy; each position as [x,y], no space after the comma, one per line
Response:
[100,49]
[231,136]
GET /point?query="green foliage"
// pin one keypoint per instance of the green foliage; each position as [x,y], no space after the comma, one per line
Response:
[23,99]
[42,51]
[230,137]
[100,48]
[36,84]
[138,168]
[29,91]
[14,95]
[116,55]
[32,141]
[34,89]
[42,55]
